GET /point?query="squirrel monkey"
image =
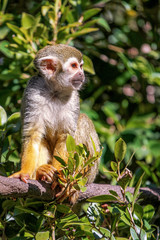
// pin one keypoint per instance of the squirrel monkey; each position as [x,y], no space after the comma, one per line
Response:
[51,110]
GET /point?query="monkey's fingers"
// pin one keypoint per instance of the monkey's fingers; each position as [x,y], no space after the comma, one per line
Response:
[65,193]
[62,195]
[23,176]
[54,185]
[47,173]
[44,176]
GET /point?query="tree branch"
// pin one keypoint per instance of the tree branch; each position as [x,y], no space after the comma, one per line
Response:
[11,187]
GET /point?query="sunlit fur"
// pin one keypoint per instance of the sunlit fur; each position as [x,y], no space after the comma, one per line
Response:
[51,110]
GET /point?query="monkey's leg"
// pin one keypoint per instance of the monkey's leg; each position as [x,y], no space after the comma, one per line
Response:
[50,172]
[84,133]
[34,153]
[60,150]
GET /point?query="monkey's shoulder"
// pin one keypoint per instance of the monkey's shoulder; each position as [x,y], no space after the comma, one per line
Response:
[36,83]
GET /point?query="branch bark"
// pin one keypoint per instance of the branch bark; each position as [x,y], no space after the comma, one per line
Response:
[11,187]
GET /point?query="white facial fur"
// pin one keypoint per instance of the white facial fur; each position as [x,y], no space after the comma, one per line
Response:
[71,76]
[74,70]
[67,66]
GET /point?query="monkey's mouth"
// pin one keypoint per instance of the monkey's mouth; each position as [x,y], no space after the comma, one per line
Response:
[77,82]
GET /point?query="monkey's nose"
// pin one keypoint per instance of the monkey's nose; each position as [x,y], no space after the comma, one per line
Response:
[79,76]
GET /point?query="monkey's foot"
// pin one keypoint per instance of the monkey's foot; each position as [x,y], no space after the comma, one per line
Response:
[66,192]
[21,175]
[47,173]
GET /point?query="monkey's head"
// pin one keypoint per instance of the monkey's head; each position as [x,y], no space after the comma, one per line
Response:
[61,65]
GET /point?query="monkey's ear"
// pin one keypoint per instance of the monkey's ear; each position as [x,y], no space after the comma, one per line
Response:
[48,65]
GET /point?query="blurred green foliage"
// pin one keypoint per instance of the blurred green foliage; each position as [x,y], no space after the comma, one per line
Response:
[121,40]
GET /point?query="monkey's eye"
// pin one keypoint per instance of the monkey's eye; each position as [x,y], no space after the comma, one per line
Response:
[74,65]
[81,65]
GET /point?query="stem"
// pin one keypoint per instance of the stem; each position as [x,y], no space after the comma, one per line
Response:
[130,212]
[118,169]
[53,233]
[157,233]
[57,16]
[133,223]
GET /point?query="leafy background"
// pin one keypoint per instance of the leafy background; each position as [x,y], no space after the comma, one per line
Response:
[120,43]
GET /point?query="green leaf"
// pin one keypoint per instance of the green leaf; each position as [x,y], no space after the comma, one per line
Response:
[79,149]
[75,24]
[90,161]
[148,212]
[4,49]
[90,13]
[70,144]
[138,211]
[102,199]
[83,189]
[114,166]
[60,160]
[81,32]
[129,197]
[13,123]
[4,5]
[125,219]
[102,22]
[43,235]
[8,204]
[112,174]
[145,167]
[27,21]
[57,6]
[45,9]
[70,164]
[4,30]
[146,224]
[83,181]
[133,234]
[114,222]
[88,65]
[63,208]
[76,223]
[136,190]
[115,210]
[13,118]
[26,210]
[3,116]
[113,193]
[71,17]
[143,234]
[12,229]
[94,146]
[120,150]
[105,232]
[121,238]
[79,175]
[76,157]
[15,29]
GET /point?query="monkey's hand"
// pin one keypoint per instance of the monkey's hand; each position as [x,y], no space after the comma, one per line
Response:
[21,175]
[47,173]
[63,189]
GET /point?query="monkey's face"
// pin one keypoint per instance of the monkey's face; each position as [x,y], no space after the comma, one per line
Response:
[73,73]
[68,75]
